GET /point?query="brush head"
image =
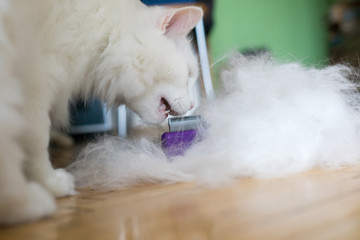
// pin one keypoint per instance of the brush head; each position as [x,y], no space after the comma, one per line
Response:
[176,143]
[177,124]
[183,133]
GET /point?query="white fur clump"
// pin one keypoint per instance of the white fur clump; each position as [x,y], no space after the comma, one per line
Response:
[269,120]
[114,163]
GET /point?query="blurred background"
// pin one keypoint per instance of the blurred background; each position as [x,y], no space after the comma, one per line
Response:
[314,32]
[290,30]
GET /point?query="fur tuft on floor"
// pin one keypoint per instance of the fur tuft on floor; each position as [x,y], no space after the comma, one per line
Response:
[268,120]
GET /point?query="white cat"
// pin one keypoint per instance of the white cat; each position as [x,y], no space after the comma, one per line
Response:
[50,51]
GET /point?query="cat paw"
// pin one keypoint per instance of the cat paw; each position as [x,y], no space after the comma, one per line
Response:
[60,184]
[24,205]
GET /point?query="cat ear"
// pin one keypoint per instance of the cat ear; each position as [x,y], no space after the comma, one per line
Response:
[179,22]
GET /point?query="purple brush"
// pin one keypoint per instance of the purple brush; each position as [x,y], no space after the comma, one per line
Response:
[182,135]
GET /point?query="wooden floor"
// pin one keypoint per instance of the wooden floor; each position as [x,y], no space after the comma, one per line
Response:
[315,205]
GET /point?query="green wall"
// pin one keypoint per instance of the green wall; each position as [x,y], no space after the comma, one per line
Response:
[290,29]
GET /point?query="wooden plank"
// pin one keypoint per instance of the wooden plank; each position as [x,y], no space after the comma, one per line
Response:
[315,205]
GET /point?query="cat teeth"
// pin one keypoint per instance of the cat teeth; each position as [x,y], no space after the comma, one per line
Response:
[163,107]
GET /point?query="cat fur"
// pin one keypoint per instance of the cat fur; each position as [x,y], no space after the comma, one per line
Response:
[118,50]
[269,119]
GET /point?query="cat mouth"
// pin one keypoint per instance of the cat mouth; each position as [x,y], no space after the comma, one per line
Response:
[166,107]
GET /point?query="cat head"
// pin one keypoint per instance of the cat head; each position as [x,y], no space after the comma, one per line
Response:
[152,67]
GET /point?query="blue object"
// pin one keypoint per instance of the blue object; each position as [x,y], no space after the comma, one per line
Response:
[90,112]
[161,2]
[90,117]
